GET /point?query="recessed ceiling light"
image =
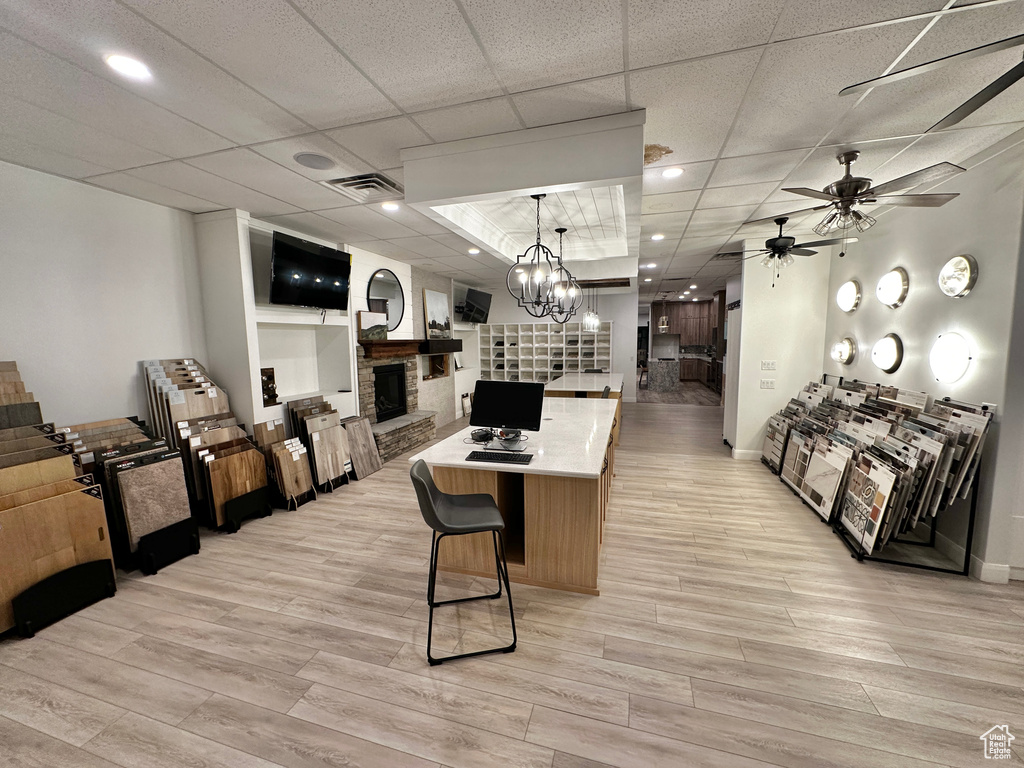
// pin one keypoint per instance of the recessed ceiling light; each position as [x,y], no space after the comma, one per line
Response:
[647,279]
[657,237]
[671,173]
[694,298]
[693,287]
[685,293]
[652,265]
[313,160]
[680,297]
[130,68]
[390,206]
[474,251]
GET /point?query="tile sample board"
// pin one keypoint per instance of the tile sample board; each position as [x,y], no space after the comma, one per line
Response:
[20,415]
[362,447]
[34,430]
[153,496]
[43,538]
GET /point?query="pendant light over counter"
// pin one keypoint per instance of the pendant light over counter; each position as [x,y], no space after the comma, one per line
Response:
[540,283]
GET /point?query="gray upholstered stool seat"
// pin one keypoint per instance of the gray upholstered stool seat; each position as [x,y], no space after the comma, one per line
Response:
[468,513]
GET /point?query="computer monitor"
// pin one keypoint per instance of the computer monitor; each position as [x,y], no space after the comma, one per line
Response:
[507,405]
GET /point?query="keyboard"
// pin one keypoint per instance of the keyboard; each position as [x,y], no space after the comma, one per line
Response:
[500,458]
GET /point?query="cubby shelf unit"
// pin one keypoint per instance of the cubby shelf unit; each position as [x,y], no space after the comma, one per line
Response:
[542,351]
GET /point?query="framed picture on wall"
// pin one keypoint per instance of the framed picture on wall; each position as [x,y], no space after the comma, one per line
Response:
[373,326]
[437,315]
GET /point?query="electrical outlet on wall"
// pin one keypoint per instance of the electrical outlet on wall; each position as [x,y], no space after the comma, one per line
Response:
[767,383]
[767,365]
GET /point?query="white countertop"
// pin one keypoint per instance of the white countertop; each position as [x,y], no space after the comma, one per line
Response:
[587,382]
[572,441]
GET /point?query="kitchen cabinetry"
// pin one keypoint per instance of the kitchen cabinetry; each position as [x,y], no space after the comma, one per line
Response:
[692,320]
[695,369]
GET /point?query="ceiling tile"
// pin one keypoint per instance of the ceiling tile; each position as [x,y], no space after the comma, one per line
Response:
[811,17]
[661,31]
[269,46]
[953,146]
[425,247]
[458,262]
[668,224]
[154,193]
[283,152]
[389,248]
[17,150]
[184,82]
[576,101]
[479,118]
[534,43]
[192,181]
[421,54]
[249,169]
[694,246]
[453,241]
[671,201]
[695,176]
[378,143]
[318,226]
[794,101]
[715,221]
[29,123]
[744,194]
[31,74]
[415,221]
[365,219]
[751,169]
[669,94]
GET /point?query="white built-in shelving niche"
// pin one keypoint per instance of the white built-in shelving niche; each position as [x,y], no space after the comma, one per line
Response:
[542,351]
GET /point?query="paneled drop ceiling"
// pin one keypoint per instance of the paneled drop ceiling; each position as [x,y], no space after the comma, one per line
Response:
[745,93]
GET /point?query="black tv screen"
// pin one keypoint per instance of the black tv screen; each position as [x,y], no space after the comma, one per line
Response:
[306,274]
[476,307]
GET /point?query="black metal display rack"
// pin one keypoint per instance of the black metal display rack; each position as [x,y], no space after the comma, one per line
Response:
[62,594]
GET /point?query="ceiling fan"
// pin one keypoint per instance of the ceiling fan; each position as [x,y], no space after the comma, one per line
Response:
[846,195]
[778,252]
[976,101]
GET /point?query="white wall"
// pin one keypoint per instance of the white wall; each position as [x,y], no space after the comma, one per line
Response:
[781,324]
[620,308]
[93,282]
[364,264]
[985,221]
[731,361]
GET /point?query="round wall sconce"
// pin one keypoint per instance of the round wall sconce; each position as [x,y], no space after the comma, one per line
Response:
[848,296]
[887,354]
[958,276]
[844,350]
[892,287]
[950,357]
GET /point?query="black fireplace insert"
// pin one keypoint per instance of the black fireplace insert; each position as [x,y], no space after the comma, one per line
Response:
[389,391]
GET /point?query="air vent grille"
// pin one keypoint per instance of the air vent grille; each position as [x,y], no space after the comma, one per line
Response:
[367,188]
[605,282]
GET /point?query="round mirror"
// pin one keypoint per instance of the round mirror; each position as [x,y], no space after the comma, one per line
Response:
[384,295]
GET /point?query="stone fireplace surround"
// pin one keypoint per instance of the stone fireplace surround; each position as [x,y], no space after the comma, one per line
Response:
[403,433]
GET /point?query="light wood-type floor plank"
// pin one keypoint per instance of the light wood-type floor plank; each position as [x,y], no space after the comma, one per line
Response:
[732,630]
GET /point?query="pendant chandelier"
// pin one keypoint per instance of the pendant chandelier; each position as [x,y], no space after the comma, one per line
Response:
[592,320]
[540,282]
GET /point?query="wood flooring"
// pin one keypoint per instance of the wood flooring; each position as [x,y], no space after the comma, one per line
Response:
[732,630]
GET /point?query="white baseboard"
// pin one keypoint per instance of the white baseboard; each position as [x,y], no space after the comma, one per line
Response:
[629,399]
[1016,574]
[995,573]
[746,455]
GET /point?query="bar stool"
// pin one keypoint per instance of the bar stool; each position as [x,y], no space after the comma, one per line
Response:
[455,515]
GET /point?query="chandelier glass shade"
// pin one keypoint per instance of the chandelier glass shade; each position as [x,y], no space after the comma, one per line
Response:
[540,283]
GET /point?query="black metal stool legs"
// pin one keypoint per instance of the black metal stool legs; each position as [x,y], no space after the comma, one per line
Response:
[501,566]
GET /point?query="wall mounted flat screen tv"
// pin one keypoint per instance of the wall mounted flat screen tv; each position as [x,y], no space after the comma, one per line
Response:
[476,307]
[306,274]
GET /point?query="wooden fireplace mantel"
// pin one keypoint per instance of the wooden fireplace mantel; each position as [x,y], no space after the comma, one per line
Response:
[375,350]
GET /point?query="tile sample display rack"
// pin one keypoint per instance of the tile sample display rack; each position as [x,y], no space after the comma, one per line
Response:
[875,461]
[542,352]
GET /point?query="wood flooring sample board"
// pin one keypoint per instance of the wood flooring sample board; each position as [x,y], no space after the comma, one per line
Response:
[35,454]
[362,447]
[20,415]
[233,476]
[14,479]
[40,492]
[329,454]
[28,443]
[20,433]
[43,538]
[291,465]
[8,366]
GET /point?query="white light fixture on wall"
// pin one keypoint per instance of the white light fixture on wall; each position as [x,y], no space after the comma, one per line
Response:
[958,276]
[950,357]
[892,287]
[887,353]
[848,296]
[844,351]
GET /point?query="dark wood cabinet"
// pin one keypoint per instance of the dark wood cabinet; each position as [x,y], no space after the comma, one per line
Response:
[692,320]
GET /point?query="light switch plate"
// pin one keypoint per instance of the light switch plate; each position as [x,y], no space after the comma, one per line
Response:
[767,383]
[767,365]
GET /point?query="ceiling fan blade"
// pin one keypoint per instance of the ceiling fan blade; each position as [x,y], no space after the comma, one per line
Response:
[801,251]
[755,255]
[932,173]
[810,193]
[772,219]
[824,243]
[980,99]
[929,66]
[921,201]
